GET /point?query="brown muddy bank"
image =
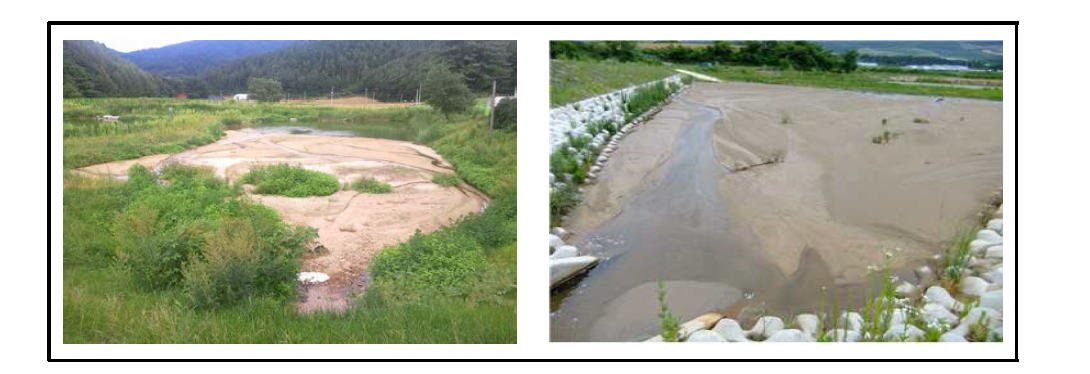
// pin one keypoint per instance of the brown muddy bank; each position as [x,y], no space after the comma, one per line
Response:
[681,201]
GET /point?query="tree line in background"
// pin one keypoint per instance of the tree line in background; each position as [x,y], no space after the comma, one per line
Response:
[315,67]
[931,60]
[797,55]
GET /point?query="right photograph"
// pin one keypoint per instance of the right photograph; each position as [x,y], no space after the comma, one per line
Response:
[776,191]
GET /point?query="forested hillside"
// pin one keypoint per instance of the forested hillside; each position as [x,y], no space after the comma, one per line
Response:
[92,70]
[393,68]
[194,57]
[359,66]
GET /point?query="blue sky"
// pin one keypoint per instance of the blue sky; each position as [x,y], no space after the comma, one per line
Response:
[135,45]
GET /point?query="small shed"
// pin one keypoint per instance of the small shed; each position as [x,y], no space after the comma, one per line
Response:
[241,96]
[180,96]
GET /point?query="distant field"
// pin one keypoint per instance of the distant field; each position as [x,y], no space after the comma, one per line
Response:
[571,81]
[858,81]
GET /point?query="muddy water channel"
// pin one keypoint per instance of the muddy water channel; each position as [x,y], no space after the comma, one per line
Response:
[749,199]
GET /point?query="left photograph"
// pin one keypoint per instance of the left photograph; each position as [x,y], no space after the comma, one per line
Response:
[279,191]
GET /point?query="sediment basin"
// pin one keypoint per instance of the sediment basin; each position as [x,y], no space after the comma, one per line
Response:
[760,195]
[352,226]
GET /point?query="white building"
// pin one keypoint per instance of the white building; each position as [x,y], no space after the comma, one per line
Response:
[241,96]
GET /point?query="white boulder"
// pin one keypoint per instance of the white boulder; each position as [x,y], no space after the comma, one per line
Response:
[995,251]
[560,232]
[996,225]
[808,323]
[939,295]
[565,251]
[851,320]
[952,337]
[935,313]
[730,330]
[555,241]
[765,327]
[842,335]
[973,286]
[563,269]
[790,335]
[705,336]
[907,290]
[992,300]
[989,235]
[903,332]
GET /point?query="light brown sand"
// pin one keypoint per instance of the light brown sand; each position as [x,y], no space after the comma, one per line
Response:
[352,226]
[675,204]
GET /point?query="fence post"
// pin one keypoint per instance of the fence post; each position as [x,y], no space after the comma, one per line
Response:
[491,109]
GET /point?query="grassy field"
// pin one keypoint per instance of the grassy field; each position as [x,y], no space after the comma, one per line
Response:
[571,81]
[194,261]
[150,126]
[863,80]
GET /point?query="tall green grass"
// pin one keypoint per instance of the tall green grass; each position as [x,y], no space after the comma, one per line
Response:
[574,80]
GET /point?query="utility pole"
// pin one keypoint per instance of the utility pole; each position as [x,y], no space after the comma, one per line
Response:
[491,109]
[331,94]
[418,87]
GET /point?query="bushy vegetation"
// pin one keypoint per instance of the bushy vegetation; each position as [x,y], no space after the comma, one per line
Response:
[194,234]
[289,180]
[371,185]
[446,180]
[797,55]
[448,91]
[191,260]
[647,97]
[507,114]
[668,323]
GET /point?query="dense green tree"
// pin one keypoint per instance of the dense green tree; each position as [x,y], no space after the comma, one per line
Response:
[507,114]
[849,61]
[446,91]
[265,89]
[92,70]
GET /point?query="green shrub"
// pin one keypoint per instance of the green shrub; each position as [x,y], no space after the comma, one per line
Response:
[291,181]
[371,185]
[443,260]
[495,226]
[561,200]
[507,114]
[446,180]
[245,257]
[647,97]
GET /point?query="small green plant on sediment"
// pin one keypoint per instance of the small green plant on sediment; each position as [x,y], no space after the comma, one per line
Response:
[884,138]
[920,120]
[883,121]
[446,180]
[371,185]
[667,321]
[785,119]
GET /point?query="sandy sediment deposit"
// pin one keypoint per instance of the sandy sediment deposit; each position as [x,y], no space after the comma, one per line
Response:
[773,191]
[352,226]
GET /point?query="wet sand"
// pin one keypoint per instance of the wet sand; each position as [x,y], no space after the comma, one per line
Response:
[677,203]
[352,226]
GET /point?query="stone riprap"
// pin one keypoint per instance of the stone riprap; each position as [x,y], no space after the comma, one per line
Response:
[971,310]
[577,120]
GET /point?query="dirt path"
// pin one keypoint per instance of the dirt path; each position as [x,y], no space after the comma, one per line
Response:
[680,201]
[352,226]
